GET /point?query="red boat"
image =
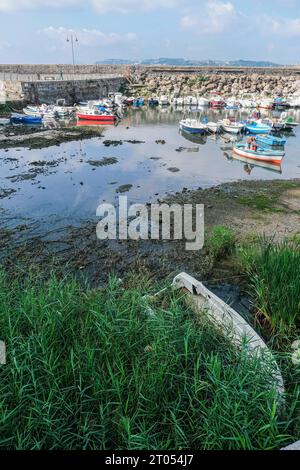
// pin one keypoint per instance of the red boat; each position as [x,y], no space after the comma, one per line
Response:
[96,117]
[217,102]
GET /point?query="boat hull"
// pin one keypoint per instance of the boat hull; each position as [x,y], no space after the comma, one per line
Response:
[251,155]
[96,117]
[258,130]
[232,129]
[191,130]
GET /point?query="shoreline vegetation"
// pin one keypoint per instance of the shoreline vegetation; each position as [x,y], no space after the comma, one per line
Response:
[89,369]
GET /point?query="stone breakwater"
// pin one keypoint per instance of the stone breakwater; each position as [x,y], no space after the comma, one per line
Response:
[206,84]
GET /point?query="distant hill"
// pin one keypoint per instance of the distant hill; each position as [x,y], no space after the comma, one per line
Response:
[187,62]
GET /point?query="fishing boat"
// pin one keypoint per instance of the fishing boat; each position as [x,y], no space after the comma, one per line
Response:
[24,119]
[193,126]
[280,103]
[294,101]
[152,102]
[163,100]
[203,102]
[248,103]
[257,127]
[232,104]
[288,122]
[261,154]
[266,103]
[178,101]
[190,101]
[211,126]
[270,140]
[250,164]
[94,114]
[217,103]
[232,127]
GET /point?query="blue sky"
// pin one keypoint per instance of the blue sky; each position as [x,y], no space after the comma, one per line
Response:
[35,31]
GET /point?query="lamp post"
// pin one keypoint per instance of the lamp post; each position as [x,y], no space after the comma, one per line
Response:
[72,39]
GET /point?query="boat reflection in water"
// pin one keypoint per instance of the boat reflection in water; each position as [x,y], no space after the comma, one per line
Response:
[95,123]
[195,138]
[249,164]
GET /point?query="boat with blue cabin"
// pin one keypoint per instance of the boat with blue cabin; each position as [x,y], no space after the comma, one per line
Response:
[271,141]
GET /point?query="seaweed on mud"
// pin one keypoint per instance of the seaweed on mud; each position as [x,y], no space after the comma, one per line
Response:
[103,162]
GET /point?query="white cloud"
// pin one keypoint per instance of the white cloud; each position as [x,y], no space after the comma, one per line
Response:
[89,37]
[280,26]
[13,5]
[215,17]
[126,6]
[4,45]
[101,6]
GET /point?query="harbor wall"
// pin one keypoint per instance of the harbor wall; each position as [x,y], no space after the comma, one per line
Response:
[73,91]
[47,83]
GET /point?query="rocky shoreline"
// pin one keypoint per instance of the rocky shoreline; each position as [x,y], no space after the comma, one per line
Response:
[154,83]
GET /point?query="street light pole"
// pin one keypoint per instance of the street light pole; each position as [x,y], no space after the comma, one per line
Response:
[73,37]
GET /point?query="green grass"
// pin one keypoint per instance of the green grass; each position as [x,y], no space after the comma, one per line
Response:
[260,202]
[90,369]
[220,242]
[274,280]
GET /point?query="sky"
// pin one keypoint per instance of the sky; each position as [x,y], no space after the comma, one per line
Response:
[35,31]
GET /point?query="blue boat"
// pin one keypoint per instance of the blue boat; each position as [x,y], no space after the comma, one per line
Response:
[192,126]
[25,119]
[258,128]
[271,141]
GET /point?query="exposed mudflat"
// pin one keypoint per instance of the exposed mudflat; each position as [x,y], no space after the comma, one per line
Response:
[249,208]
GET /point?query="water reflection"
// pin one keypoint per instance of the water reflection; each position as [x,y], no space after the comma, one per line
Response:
[63,182]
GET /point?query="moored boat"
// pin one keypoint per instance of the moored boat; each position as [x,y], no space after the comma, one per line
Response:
[257,127]
[267,103]
[190,101]
[178,101]
[261,154]
[232,127]
[270,140]
[211,126]
[94,114]
[24,119]
[217,103]
[163,100]
[193,126]
[251,163]
[203,102]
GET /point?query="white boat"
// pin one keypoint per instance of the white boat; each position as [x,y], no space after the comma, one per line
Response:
[232,103]
[192,126]
[163,100]
[203,102]
[212,126]
[178,101]
[260,154]
[48,112]
[294,101]
[190,101]
[248,103]
[231,127]
[238,331]
[266,103]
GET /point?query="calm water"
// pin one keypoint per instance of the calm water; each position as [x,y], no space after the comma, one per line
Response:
[69,188]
